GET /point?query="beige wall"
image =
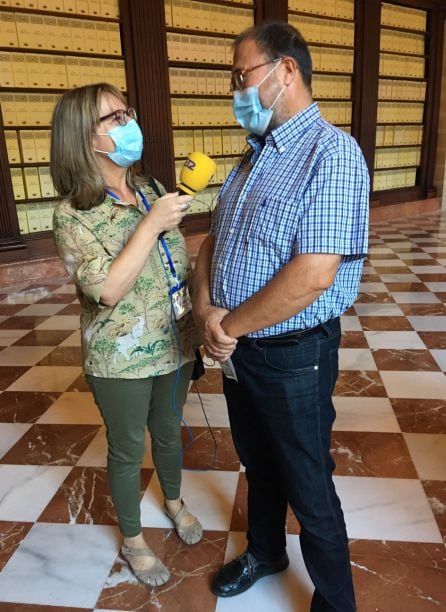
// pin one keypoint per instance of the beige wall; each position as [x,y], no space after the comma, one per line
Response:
[440,165]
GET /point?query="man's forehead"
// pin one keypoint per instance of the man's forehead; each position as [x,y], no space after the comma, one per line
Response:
[246,53]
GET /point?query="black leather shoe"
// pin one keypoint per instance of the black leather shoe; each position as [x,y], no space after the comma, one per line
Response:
[241,573]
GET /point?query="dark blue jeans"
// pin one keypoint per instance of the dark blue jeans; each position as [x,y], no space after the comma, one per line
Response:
[281,415]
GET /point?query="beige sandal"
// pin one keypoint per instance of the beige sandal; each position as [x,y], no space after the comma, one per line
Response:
[190,534]
[155,576]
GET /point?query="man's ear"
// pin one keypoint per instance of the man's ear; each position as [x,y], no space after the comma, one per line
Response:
[291,68]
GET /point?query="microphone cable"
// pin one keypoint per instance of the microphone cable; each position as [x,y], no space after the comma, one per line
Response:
[175,388]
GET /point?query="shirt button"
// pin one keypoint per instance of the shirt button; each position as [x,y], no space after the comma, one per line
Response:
[220,266]
[281,149]
[231,231]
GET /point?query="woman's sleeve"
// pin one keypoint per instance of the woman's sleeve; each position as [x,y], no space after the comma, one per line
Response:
[85,259]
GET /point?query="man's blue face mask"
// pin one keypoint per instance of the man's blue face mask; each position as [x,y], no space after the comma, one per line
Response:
[128,141]
[248,109]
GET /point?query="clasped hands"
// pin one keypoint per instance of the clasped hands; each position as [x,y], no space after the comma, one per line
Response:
[217,344]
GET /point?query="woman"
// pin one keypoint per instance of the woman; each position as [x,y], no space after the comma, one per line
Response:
[138,337]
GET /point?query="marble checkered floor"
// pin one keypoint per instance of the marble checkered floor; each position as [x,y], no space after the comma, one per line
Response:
[59,540]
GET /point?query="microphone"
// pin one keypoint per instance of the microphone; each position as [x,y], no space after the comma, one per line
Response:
[196,173]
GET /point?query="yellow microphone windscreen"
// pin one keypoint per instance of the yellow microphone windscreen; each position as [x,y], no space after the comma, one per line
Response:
[196,173]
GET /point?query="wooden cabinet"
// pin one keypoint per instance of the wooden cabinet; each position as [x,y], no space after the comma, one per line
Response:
[377,71]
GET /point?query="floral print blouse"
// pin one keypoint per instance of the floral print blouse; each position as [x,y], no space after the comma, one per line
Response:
[138,337]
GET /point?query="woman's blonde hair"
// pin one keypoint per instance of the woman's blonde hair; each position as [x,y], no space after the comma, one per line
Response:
[75,169]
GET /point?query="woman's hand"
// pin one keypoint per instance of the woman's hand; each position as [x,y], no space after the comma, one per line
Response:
[167,212]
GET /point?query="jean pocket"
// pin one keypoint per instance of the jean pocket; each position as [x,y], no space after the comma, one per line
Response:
[298,361]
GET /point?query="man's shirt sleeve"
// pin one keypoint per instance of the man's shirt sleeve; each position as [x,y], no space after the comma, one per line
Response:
[335,219]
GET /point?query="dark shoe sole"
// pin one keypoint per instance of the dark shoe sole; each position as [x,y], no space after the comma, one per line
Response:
[216,592]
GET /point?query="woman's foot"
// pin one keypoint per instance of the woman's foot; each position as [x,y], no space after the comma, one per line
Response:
[144,564]
[187,526]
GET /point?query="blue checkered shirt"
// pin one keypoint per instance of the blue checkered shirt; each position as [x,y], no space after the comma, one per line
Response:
[302,189]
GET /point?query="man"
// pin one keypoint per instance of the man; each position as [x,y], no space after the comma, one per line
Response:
[281,264]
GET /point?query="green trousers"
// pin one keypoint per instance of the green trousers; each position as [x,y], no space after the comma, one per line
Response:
[128,406]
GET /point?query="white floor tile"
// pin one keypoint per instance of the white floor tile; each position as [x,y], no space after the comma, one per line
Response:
[380,250]
[423,239]
[422,385]
[68,288]
[356,359]
[10,433]
[373,288]
[73,340]
[387,263]
[74,561]
[25,490]
[377,310]
[288,591]
[386,509]
[40,309]
[214,407]
[414,297]
[428,452]
[71,408]
[9,336]
[364,414]
[95,455]
[436,287]
[400,278]
[208,494]
[435,249]
[46,378]
[394,340]
[26,296]
[350,323]
[415,256]
[61,322]
[23,355]
[427,323]
[428,269]
[440,357]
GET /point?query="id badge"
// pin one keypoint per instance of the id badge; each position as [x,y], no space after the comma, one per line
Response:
[227,367]
[181,301]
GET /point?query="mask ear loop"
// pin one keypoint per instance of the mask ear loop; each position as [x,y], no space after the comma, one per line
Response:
[276,63]
[104,134]
[277,97]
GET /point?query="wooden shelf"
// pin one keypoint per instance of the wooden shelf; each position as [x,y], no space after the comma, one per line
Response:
[405,30]
[400,146]
[187,32]
[62,52]
[318,16]
[61,14]
[30,164]
[392,168]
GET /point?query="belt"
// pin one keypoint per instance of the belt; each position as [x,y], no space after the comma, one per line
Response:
[288,339]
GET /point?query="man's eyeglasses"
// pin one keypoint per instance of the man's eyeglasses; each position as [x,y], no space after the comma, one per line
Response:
[238,76]
[120,115]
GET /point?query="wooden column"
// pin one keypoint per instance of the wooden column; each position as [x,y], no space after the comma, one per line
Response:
[365,77]
[9,227]
[145,50]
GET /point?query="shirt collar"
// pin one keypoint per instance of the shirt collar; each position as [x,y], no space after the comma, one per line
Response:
[284,135]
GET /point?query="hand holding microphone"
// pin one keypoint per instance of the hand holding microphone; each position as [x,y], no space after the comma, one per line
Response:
[194,176]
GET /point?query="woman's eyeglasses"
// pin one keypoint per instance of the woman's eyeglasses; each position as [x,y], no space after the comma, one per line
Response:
[120,115]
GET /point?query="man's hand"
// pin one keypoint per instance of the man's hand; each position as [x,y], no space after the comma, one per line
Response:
[217,344]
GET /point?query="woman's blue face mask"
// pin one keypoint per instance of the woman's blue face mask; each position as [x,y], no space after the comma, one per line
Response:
[128,141]
[248,109]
